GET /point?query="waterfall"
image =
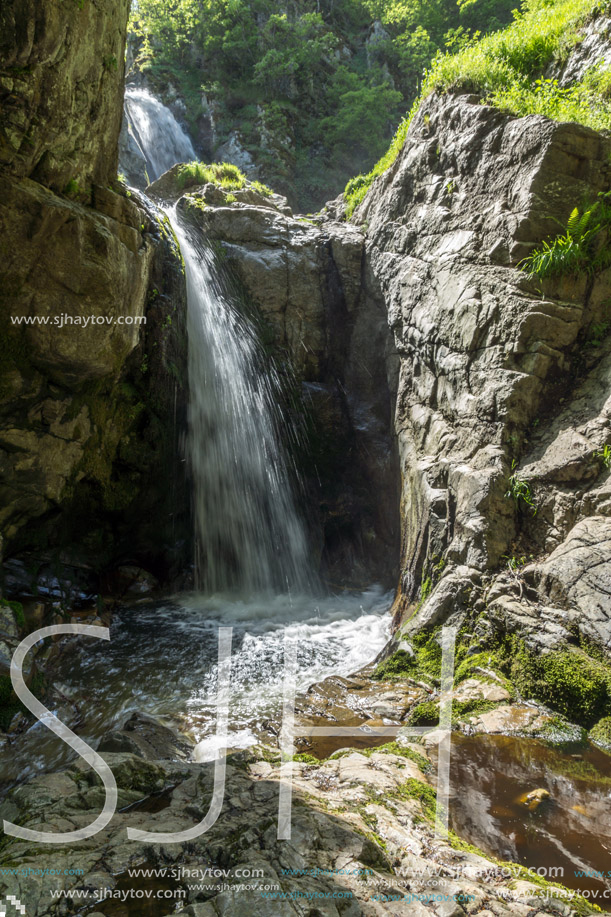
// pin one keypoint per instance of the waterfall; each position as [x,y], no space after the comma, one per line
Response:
[158,134]
[249,536]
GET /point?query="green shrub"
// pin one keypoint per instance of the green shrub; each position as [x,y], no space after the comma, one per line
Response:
[501,66]
[604,455]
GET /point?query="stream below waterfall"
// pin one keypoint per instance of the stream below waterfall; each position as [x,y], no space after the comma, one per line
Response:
[161,660]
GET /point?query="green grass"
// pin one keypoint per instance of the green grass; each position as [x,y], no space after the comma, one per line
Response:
[505,69]
[224,174]
[604,456]
[260,188]
[519,491]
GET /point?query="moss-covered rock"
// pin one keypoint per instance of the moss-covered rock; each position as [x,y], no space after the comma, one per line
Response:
[600,734]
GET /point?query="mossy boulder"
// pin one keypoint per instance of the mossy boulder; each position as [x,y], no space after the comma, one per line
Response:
[600,734]
[567,680]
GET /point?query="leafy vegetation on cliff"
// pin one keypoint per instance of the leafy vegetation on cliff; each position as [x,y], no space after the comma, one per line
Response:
[508,68]
[314,88]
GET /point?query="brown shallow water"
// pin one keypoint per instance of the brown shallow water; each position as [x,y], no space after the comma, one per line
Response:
[570,832]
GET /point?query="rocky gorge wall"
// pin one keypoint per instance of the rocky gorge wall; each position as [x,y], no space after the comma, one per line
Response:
[305,283]
[500,373]
[90,415]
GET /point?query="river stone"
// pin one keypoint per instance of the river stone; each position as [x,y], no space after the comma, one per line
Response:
[146,738]
[474,689]
[516,719]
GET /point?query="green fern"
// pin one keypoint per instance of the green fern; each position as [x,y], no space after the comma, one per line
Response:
[581,249]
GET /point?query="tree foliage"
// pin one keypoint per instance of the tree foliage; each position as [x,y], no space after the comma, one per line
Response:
[316,87]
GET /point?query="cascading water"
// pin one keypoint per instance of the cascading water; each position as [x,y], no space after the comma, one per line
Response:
[158,134]
[248,535]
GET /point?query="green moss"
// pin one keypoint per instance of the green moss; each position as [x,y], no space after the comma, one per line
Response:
[425,794]
[567,680]
[393,748]
[600,734]
[469,666]
[425,714]
[399,665]
[425,663]
[305,758]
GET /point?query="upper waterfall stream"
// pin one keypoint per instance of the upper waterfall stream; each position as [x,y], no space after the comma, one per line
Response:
[159,136]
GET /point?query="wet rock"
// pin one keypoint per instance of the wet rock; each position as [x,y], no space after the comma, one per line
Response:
[473,689]
[307,277]
[8,622]
[63,113]
[146,738]
[130,580]
[535,799]
[514,719]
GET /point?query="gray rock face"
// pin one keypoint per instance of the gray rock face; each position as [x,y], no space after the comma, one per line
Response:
[483,352]
[234,152]
[332,855]
[61,81]
[593,50]
[131,158]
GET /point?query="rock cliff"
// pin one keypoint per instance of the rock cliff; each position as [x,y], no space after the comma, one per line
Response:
[306,284]
[504,380]
[91,385]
